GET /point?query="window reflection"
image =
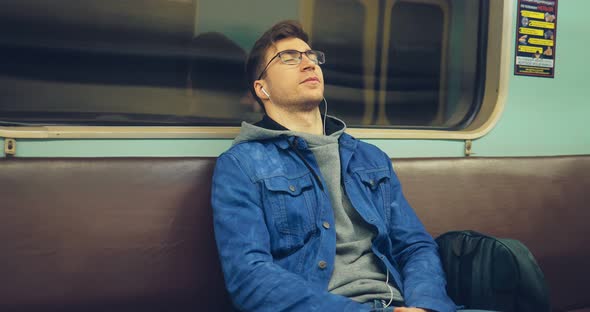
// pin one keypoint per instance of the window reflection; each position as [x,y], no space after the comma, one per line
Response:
[337,30]
[400,63]
[415,56]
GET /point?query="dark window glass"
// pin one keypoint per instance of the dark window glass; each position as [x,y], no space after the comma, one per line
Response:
[414,55]
[338,31]
[111,62]
[404,63]
[420,62]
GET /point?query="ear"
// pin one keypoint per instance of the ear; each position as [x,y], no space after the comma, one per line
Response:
[258,89]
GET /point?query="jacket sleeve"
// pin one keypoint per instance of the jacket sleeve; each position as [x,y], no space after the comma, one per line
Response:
[253,281]
[416,253]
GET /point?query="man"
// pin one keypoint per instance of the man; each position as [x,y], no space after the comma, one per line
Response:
[308,218]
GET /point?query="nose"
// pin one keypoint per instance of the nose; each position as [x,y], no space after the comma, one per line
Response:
[307,63]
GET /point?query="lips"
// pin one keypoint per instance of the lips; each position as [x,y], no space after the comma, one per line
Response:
[311,79]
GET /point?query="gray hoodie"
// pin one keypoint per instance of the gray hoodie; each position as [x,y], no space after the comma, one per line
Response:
[358,273]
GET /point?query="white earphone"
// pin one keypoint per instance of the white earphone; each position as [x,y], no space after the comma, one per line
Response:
[264,91]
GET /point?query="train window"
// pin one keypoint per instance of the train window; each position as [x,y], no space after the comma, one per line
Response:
[402,63]
[113,62]
[391,64]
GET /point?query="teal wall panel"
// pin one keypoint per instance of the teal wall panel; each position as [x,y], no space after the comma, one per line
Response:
[120,148]
[188,147]
[418,148]
[549,116]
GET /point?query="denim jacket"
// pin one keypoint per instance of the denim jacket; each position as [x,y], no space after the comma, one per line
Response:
[274,227]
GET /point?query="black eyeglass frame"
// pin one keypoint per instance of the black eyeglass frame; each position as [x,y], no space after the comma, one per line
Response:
[321,58]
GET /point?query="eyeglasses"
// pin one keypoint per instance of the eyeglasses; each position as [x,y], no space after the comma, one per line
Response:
[294,57]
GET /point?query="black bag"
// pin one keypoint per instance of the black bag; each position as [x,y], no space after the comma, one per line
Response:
[485,272]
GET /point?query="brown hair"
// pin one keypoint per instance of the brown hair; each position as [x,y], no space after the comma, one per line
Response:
[281,30]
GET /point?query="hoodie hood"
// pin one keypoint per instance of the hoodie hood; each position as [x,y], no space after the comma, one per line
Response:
[269,129]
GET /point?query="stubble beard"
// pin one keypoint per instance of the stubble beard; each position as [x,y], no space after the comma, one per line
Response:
[302,105]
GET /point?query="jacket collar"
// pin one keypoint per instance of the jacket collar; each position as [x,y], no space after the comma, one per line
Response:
[347,145]
[348,141]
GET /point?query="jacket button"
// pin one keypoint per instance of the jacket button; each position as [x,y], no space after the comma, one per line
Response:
[372,182]
[326,224]
[322,264]
[292,188]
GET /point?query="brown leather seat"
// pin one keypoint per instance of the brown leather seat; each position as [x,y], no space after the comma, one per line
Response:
[115,234]
[541,201]
[123,234]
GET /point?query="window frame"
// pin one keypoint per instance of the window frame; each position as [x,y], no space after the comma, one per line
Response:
[497,74]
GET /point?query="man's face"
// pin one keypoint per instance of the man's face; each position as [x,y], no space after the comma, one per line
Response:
[293,87]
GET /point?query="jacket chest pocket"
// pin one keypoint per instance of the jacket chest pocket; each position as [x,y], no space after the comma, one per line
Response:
[292,203]
[376,184]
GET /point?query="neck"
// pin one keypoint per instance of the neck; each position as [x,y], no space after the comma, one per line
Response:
[299,121]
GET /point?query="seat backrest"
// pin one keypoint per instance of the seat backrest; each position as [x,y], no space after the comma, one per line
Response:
[540,201]
[136,233]
[115,234]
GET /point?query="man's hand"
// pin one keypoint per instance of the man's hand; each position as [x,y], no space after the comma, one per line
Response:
[410,310]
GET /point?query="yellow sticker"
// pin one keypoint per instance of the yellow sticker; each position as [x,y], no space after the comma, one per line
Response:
[531,14]
[544,42]
[531,31]
[542,24]
[529,49]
